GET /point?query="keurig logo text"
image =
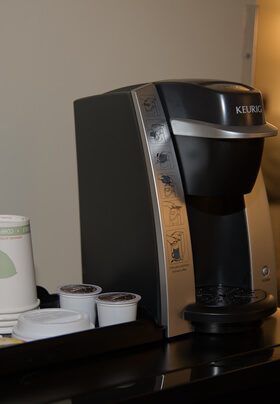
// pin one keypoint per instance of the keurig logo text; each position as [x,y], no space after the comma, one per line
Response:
[248,109]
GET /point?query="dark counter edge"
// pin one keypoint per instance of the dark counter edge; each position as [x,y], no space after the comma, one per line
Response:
[254,383]
[69,347]
[258,381]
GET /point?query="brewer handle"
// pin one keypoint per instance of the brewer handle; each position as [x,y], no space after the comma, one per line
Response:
[188,127]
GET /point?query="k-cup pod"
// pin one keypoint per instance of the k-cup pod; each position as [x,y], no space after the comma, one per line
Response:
[18,291]
[80,297]
[116,307]
[47,323]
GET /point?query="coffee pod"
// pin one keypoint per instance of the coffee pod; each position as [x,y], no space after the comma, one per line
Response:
[80,297]
[116,307]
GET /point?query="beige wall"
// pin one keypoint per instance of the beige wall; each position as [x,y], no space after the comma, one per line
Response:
[55,51]
[267,68]
[267,79]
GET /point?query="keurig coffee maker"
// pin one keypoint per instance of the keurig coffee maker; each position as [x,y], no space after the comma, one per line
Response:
[173,206]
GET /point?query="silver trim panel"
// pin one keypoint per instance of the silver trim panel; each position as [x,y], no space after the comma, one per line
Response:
[176,270]
[263,265]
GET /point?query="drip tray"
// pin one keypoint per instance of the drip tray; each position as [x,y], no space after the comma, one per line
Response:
[223,309]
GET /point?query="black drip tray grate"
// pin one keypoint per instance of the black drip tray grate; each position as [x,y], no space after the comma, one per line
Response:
[226,296]
[224,309]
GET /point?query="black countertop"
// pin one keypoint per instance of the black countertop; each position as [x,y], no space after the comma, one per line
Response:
[98,366]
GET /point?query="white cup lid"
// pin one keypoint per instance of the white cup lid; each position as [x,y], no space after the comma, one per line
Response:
[118,298]
[78,290]
[13,219]
[45,323]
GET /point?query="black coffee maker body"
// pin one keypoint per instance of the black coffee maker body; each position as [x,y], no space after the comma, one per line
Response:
[173,205]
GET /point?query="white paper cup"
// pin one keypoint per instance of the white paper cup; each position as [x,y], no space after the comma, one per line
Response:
[80,297]
[17,275]
[116,307]
[47,323]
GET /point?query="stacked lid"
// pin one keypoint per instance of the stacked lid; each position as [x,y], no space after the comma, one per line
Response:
[8,320]
[46,323]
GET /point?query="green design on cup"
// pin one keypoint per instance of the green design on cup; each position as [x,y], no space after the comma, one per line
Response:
[7,267]
[14,231]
